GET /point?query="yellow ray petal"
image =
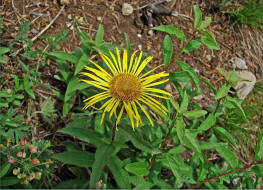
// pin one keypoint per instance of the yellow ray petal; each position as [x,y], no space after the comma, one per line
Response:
[144,63]
[153,106]
[119,59]
[95,100]
[154,77]
[97,79]
[98,95]
[100,74]
[115,62]
[109,106]
[101,69]
[156,102]
[156,83]
[106,103]
[155,95]
[125,59]
[145,112]
[156,90]
[131,61]
[114,108]
[138,118]
[144,75]
[93,83]
[119,116]
[108,62]
[136,64]
[129,112]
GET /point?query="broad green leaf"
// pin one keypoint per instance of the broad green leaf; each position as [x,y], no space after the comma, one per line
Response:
[210,85]
[190,72]
[64,70]
[211,145]
[237,106]
[140,182]
[102,156]
[174,104]
[73,184]
[191,142]
[195,114]
[4,169]
[259,149]
[197,16]
[120,175]
[64,56]
[205,23]
[184,104]
[171,30]
[4,50]
[4,59]
[83,61]
[258,170]
[202,171]
[208,34]
[229,155]
[138,141]
[226,135]
[67,107]
[99,35]
[180,129]
[128,44]
[211,44]
[191,46]
[207,123]
[222,92]
[84,134]
[167,50]
[177,150]
[76,158]
[179,77]
[8,181]
[138,168]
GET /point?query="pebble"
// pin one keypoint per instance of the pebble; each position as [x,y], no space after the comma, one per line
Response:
[140,47]
[150,32]
[99,18]
[139,35]
[127,9]
[64,2]
[239,63]
[243,88]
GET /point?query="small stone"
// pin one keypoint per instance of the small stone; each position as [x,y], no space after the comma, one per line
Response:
[99,18]
[243,88]
[239,63]
[174,13]
[140,47]
[34,31]
[127,9]
[199,97]
[168,88]
[139,35]
[208,57]
[150,32]
[64,2]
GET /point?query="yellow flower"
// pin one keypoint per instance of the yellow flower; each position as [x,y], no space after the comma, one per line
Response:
[125,87]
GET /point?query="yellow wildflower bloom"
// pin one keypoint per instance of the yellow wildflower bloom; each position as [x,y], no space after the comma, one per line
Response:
[125,87]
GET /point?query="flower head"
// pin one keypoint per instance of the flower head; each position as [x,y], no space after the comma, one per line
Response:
[125,87]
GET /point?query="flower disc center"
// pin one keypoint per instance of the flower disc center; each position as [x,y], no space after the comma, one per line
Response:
[125,87]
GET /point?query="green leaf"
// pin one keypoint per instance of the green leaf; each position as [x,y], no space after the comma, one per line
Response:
[190,72]
[223,91]
[67,107]
[180,129]
[191,46]
[64,70]
[229,155]
[120,175]
[171,30]
[83,61]
[167,50]
[4,59]
[177,150]
[258,170]
[84,134]
[198,16]
[211,145]
[184,104]
[138,168]
[64,56]
[138,141]
[237,106]
[102,156]
[225,134]
[74,85]
[205,23]
[210,85]
[7,181]
[209,43]
[4,50]
[191,142]
[195,114]
[128,44]
[179,77]
[4,169]
[207,123]
[76,158]
[174,104]
[259,149]
[99,35]
[73,184]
